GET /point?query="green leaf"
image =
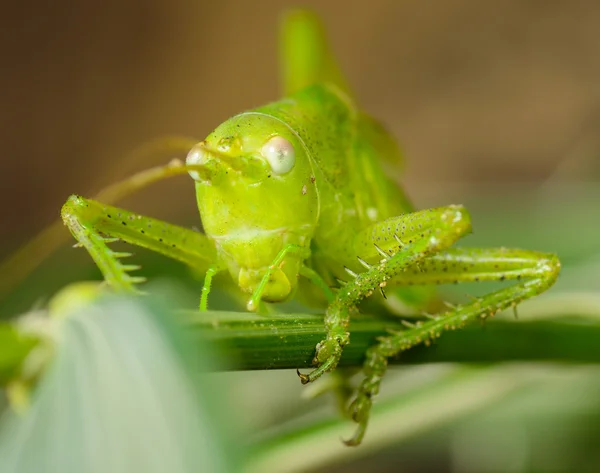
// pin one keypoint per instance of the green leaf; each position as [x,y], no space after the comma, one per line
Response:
[122,394]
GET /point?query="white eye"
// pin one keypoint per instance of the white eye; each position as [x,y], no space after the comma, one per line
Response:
[197,155]
[280,154]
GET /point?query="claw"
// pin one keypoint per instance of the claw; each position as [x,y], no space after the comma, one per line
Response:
[356,439]
[304,378]
[328,365]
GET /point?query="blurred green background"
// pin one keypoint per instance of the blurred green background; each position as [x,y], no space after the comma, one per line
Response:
[496,104]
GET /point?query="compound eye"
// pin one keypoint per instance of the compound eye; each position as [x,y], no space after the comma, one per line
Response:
[196,156]
[280,154]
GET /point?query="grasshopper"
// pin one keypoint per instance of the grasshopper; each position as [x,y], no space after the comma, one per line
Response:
[297,189]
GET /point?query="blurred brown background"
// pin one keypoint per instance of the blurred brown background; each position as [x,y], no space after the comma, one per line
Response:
[492,92]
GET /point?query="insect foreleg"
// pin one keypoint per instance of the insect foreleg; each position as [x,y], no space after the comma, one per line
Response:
[94,224]
[40,247]
[408,240]
[535,271]
[214,269]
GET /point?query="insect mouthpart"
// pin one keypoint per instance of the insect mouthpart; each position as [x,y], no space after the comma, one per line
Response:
[277,287]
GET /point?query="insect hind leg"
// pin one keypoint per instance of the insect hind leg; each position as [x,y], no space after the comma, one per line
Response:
[534,272]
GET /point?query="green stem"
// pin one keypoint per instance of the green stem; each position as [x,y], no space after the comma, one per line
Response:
[248,341]
[288,341]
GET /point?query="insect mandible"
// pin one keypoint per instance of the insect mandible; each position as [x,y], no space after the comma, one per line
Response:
[296,189]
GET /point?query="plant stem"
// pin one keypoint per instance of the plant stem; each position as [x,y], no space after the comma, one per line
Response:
[253,342]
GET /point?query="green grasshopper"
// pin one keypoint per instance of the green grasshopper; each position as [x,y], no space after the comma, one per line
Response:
[296,189]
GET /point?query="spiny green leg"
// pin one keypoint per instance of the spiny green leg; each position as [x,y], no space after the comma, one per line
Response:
[457,265]
[411,237]
[287,249]
[94,224]
[535,272]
